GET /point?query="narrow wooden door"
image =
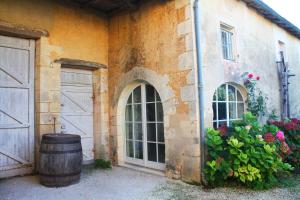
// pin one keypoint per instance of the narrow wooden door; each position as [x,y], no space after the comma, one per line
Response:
[16,106]
[77,107]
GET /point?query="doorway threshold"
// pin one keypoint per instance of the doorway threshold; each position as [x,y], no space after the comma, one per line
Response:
[143,169]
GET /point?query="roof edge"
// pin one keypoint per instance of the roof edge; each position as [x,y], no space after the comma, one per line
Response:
[270,14]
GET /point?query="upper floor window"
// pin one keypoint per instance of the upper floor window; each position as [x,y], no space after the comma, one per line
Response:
[228,105]
[227,42]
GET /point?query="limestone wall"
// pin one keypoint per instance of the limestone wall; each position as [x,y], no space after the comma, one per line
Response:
[154,44]
[256,40]
[74,33]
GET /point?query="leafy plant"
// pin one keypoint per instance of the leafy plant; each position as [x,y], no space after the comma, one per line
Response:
[243,156]
[102,164]
[256,100]
[289,146]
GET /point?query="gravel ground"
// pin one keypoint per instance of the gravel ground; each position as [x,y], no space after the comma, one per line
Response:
[121,183]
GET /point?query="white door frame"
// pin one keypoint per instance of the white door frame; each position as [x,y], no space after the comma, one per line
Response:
[142,162]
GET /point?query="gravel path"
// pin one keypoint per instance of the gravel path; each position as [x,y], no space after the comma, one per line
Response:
[121,183]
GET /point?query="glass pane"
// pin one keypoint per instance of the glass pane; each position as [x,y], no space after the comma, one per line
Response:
[128,115]
[222,123]
[129,101]
[137,97]
[161,153]
[215,125]
[150,112]
[222,111]
[160,114]
[138,150]
[160,132]
[215,97]
[157,96]
[232,111]
[231,93]
[129,149]
[138,131]
[152,152]
[128,130]
[222,93]
[240,110]
[239,96]
[150,93]
[151,132]
[137,112]
[215,110]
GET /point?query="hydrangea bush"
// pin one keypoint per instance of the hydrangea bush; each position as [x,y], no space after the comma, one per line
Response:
[246,153]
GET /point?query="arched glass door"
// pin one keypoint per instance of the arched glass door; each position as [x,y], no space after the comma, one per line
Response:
[145,142]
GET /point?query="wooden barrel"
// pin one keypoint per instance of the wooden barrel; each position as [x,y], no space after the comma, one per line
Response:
[60,159]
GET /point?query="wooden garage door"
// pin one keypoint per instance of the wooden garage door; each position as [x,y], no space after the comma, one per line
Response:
[77,108]
[16,106]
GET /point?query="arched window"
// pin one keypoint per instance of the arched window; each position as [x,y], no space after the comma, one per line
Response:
[144,125]
[228,105]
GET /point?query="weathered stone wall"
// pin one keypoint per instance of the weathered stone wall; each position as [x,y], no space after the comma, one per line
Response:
[154,44]
[256,40]
[74,33]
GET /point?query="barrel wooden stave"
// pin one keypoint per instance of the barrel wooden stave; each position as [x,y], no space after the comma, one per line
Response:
[60,160]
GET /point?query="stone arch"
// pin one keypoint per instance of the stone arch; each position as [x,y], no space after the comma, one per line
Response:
[125,86]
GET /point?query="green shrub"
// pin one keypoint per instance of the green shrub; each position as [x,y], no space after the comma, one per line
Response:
[290,147]
[241,155]
[102,164]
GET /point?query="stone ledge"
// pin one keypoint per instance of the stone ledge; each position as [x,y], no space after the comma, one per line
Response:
[80,64]
[8,29]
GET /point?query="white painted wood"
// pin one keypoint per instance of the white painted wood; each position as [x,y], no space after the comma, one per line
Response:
[77,107]
[16,106]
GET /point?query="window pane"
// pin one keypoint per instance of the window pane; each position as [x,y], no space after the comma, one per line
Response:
[215,97]
[137,112]
[160,132]
[150,112]
[161,153]
[128,130]
[231,93]
[152,152]
[151,132]
[240,110]
[137,98]
[222,123]
[157,96]
[129,149]
[138,131]
[232,111]
[160,114]
[239,96]
[138,150]
[215,110]
[222,93]
[150,93]
[128,115]
[129,101]
[215,125]
[222,111]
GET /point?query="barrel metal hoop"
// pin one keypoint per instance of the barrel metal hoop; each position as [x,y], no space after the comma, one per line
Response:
[61,152]
[60,142]
[60,175]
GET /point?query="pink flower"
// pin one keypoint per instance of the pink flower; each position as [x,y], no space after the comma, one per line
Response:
[250,75]
[258,78]
[280,136]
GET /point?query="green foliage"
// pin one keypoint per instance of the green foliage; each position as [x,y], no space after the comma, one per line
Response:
[243,156]
[256,100]
[102,164]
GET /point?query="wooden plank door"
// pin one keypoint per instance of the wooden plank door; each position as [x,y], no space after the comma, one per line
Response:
[16,106]
[77,108]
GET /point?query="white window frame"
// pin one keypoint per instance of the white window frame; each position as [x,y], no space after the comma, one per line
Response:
[228,44]
[227,101]
[143,162]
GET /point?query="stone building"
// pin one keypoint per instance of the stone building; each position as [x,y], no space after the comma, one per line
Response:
[124,76]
